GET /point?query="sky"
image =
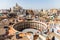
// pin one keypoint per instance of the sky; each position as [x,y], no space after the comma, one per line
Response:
[30,4]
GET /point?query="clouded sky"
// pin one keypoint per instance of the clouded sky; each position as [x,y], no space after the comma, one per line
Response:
[34,4]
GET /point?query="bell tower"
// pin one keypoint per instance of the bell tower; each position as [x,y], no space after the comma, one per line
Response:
[17,8]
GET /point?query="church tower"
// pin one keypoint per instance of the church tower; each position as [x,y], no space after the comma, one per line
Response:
[17,8]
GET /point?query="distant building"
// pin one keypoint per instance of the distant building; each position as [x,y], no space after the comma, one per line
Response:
[17,8]
[53,10]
